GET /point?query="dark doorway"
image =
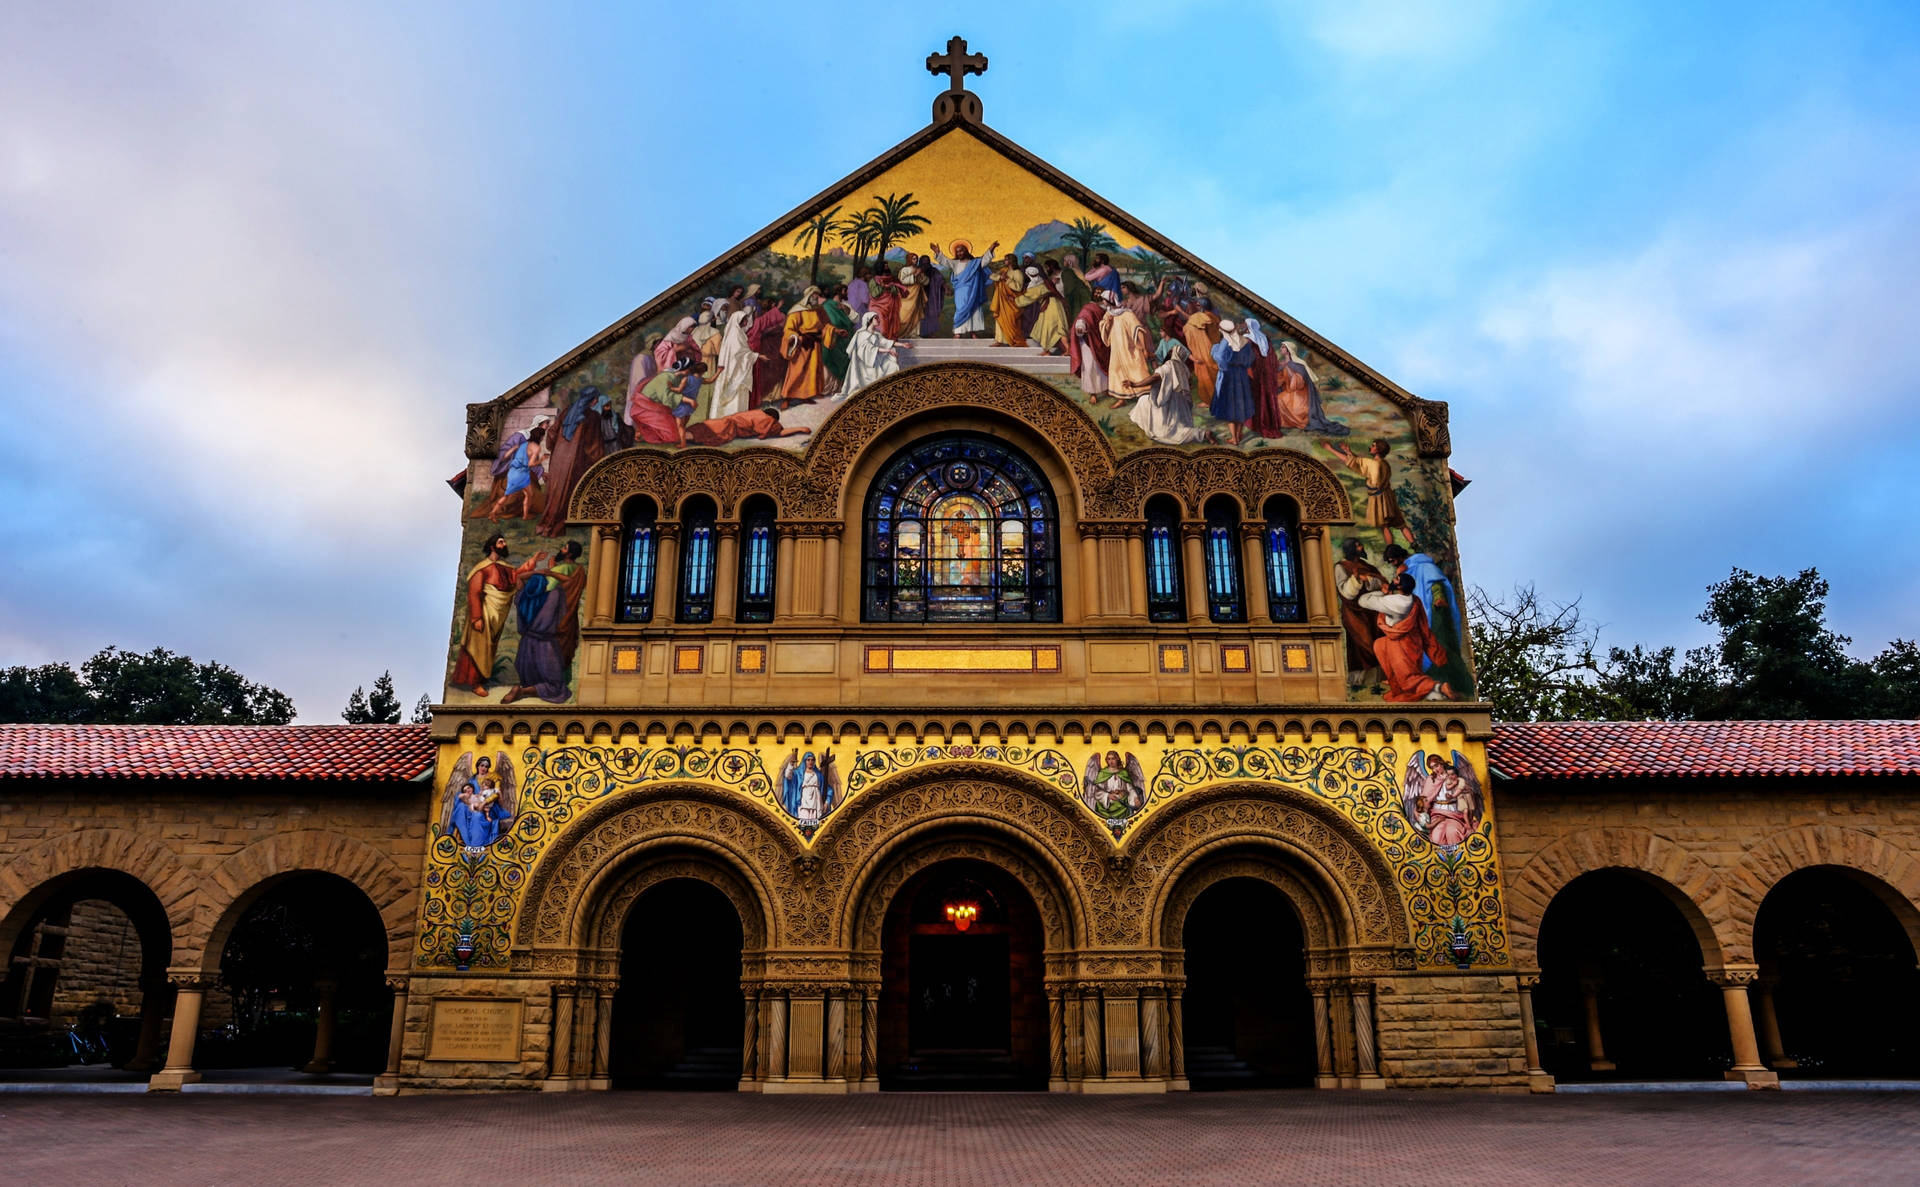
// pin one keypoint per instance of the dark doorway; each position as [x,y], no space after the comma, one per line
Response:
[678,1015]
[1248,1016]
[962,1008]
[1614,944]
[1840,972]
[304,970]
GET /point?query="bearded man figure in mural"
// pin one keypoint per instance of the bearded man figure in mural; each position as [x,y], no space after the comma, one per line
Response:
[490,586]
[803,343]
[548,607]
[969,277]
[1406,645]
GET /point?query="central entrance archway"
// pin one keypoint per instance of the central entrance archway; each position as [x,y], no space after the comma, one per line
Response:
[676,1015]
[962,1001]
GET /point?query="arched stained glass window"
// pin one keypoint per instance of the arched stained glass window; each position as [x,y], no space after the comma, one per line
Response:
[637,555]
[696,559]
[1283,561]
[1166,593]
[1226,599]
[960,528]
[756,560]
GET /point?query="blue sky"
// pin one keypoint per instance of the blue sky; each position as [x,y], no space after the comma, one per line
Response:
[1660,259]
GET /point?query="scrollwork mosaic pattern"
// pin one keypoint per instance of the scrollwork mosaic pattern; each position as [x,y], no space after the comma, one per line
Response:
[1449,894]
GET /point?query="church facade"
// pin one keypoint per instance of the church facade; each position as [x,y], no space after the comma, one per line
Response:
[961,638]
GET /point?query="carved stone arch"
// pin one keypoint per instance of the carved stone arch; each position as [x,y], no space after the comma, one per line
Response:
[1250,478]
[615,830]
[855,843]
[868,903]
[864,422]
[31,879]
[669,860]
[1690,884]
[1889,872]
[668,477]
[1314,836]
[1321,921]
[238,882]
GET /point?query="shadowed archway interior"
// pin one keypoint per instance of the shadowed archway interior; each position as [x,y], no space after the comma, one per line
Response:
[676,1015]
[962,1007]
[1249,1019]
[1623,990]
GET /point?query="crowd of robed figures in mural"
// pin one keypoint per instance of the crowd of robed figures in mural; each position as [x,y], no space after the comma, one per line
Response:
[810,331]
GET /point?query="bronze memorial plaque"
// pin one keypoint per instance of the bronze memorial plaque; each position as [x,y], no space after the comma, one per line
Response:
[478,1029]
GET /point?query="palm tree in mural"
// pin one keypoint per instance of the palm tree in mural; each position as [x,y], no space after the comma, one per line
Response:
[1150,264]
[895,222]
[860,232]
[1088,237]
[818,228]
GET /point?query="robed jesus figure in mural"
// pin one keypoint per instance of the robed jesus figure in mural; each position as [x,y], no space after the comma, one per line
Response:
[971,278]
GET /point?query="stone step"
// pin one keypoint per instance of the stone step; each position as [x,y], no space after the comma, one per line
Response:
[982,350]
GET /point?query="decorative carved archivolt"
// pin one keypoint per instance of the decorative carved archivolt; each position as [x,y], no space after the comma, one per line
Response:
[813,485]
[1319,926]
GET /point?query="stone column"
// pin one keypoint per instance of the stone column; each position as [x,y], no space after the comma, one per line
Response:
[1537,1078]
[1733,980]
[1177,1039]
[560,1040]
[856,1015]
[750,1041]
[870,1036]
[154,992]
[1315,573]
[1194,564]
[1124,1048]
[188,989]
[831,575]
[1056,1041]
[606,573]
[726,572]
[1137,570]
[1093,1035]
[1089,575]
[1072,1040]
[1153,1034]
[776,1038]
[586,1020]
[388,1082]
[1253,567]
[783,573]
[1772,1049]
[1364,1042]
[666,572]
[836,1061]
[1323,1074]
[1596,1045]
[324,1016]
[602,1075]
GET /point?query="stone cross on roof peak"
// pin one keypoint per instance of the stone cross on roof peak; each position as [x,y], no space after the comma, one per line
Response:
[956,101]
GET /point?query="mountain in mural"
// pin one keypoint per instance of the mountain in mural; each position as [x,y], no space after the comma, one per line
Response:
[1048,236]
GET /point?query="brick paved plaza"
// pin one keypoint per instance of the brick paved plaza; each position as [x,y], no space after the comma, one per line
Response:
[1377,1139]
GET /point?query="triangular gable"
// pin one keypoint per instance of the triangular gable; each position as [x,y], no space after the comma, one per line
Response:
[992,166]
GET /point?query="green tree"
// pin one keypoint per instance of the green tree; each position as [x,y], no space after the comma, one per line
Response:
[380,707]
[1534,661]
[1150,264]
[1088,237]
[818,229]
[896,222]
[422,710]
[118,687]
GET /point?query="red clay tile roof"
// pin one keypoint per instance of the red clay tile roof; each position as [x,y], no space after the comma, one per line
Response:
[1611,749]
[332,752]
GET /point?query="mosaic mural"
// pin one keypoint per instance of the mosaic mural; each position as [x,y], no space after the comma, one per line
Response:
[958,251]
[1438,841]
